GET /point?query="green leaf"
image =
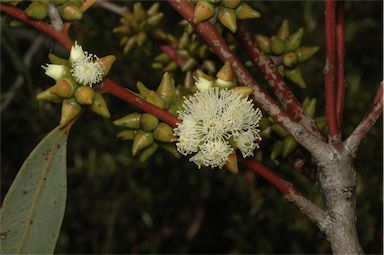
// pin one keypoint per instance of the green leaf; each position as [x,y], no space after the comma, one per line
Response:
[33,209]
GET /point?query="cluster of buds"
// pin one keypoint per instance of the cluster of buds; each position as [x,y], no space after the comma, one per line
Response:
[190,48]
[227,11]
[218,120]
[68,9]
[136,25]
[284,144]
[286,50]
[75,79]
[146,131]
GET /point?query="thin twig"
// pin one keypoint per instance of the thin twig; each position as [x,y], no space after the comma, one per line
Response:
[112,7]
[375,110]
[173,54]
[54,16]
[329,73]
[340,54]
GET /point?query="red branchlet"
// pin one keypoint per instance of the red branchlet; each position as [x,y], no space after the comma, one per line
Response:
[173,54]
[329,70]
[340,54]
[279,87]
[60,36]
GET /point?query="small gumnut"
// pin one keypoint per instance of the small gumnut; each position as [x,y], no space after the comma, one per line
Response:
[279,130]
[166,88]
[227,17]
[132,120]
[230,3]
[126,134]
[171,149]
[277,149]
[305,53]
[48,96]
[231,163]
[69,110]
[70,11]
[295,76]
[277,45]
[148,152]
[143,90]
[203,11]
[290,59]
[264,43]
[107,63]
[289,145]
[245,11]
[244,91]
[85,95]
[155,19]
[141,140]
[37,10]
[155,99]
[99,106]
[148,122]
[64,88]
[294,40]
[163,133]
[310,107]
[57,60]
[283,32]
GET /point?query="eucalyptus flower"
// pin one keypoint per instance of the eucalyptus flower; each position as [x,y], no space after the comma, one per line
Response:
[215,123]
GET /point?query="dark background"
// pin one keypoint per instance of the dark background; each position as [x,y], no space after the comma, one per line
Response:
[116,205]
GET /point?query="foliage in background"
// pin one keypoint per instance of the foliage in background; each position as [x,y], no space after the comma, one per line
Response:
[167,205]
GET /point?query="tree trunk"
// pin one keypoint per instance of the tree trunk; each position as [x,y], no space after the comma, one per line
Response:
[337,179]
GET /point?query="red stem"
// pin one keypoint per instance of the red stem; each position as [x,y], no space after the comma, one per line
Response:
[340,55]
[329,71]
[60,36]
[375,110]
[276,82]
[173,54]
[114,89]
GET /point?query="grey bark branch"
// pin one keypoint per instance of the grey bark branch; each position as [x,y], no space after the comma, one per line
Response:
[54,16]
[112,7]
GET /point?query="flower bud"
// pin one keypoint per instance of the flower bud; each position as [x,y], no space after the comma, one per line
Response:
[189,64]
[226,72]
[153,9]
[126,134]
[166,88]
[154,98]
[283,32]
[138,11]
[140,141]
[37,10]
[305,53]
[321,122]
[155,20]
[244,11]
[64,88]
[163,58]
[85,95]
[279,130]
[277,45]
[310,108]
[129,45]
[148,122]
[230,3]
[57,60]
[227,17]
[295,76]
[129,121]
[70,11]
[290,59]
[141,38]
[107,62]
[163,133]
[183,43]
[203,11]
[48,96]
[69,110]
[276,150]
[294,40]
[289,145]
[266,133]
[171,149]
[148,152]
[264,123]
[143,91]
[99,106]
[171,67]
[264,43]
[231,163]
[56,72]
[243,91]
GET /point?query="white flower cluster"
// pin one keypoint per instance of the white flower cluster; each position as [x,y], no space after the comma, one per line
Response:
[215,123]
[86,68]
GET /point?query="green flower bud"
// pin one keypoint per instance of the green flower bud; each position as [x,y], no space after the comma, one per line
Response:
[99,106]
[289,145]
[85,95]
[266,133]
[296,77]
[57,60]
[148,152]
[310,108]
[70,11]
[289,59]
[203,11]
[126,134]
[166,89]
[129,45]
[277,45]
[227,17]
[140,141]
[321,122]
[283,31]
[244,11]
[171,148]
[69,110]
[64,88]
[37,10]
[153,9]
[141,38]
[163,133]
[132,121]
[189,64]
[163,58]
[148,122]
[243,91]
[226,72]
[143,91]
[264,123]
[305,53]
[107,62]
[279,130]
[230,3]
[154,98]
[155,20]
[48,96]
[138,11]
[294,40]
[171,67]
[264,43]
[276,150]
